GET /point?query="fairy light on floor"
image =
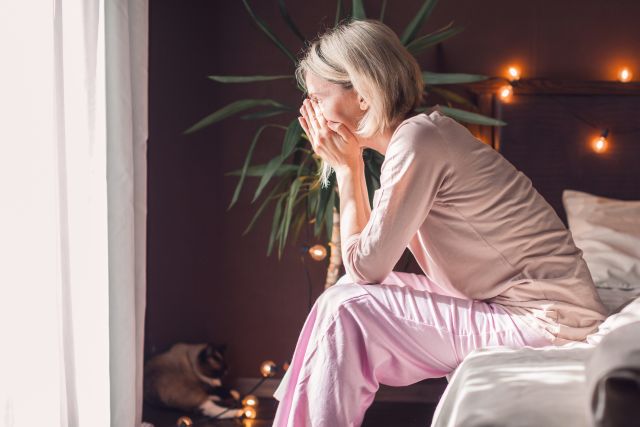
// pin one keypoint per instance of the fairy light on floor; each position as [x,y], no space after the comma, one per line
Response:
[250,402]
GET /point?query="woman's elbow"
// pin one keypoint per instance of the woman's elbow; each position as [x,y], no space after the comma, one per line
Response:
[365,274]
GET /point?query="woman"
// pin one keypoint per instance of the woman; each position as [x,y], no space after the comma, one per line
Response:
[500,266]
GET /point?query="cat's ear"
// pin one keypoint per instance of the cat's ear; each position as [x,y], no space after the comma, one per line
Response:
[209,350]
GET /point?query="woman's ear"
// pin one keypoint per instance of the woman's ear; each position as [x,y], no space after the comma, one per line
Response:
[363,104]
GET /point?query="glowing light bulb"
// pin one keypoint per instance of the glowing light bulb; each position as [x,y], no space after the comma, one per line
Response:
[249,412]
[268,368]
[184,422]
[250,400]
[625,75]
[505,92]
[514,73]
[600,144]
[318,252]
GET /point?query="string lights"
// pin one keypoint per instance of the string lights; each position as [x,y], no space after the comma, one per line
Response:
[250,402]
[600,143]
[506,93]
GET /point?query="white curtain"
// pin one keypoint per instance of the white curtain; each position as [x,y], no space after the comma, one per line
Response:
[73,142]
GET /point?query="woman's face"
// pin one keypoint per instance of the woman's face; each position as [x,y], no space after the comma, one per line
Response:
[337,104]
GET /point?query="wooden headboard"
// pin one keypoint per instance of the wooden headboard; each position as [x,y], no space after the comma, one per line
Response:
[550,125]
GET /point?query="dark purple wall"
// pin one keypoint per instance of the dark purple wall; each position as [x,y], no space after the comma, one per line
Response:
[205,281]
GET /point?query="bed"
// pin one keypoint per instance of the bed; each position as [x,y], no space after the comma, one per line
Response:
[597,196]
[577,384]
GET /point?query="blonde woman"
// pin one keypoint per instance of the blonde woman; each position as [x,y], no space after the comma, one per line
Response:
[500,267]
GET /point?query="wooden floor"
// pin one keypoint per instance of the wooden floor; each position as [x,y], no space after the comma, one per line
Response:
[379,414]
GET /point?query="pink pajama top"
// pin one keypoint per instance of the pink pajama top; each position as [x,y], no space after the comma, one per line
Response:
[477,227]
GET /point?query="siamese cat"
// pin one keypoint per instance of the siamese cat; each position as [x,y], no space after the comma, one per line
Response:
[189,377]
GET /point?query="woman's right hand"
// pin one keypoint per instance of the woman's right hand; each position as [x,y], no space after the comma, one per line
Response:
[332,141]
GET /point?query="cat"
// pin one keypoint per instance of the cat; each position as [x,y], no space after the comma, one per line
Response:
[189,377]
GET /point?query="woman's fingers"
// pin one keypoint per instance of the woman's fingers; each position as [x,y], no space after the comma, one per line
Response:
[310,115]
[341,130]
[318,113]
[305,126]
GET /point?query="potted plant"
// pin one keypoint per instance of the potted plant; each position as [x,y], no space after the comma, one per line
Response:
[298,196]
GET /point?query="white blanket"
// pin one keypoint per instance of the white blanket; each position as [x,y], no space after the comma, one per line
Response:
[500,386]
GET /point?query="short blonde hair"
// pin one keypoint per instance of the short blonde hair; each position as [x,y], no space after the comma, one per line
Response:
[368,56]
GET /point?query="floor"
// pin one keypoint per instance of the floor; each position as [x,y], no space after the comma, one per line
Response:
[379,414]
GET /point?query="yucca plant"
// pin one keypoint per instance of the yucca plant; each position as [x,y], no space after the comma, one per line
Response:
[295,169]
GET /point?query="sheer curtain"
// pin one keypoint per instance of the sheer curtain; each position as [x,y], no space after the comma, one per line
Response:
[73,142]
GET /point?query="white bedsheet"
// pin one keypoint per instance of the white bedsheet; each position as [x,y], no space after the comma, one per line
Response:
[500,386]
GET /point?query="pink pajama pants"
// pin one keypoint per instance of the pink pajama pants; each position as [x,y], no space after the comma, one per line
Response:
[398,332]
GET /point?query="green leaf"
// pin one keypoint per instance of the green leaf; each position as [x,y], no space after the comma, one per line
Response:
[357,10]
[275,224]
[452,96]
[370,186]
[328,218]
[246,164]
[312,201]
[421,43]
[247,79]
[231,109]
[297,225]
[339,12]
[264,204]
[269,112]
[291,138]
[289,21]
[466,116]
[430,78]
[325,195]
[269,171]
[258,170]
[382,10]
[265,29]
[293,192]
[416,23]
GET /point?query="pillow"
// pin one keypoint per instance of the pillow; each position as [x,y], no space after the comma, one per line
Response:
[608,233]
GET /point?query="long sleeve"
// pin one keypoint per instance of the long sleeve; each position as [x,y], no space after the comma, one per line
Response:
[414,169]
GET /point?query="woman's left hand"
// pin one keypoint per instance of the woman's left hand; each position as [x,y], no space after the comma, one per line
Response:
[330,140]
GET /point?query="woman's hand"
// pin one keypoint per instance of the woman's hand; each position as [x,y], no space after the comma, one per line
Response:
[330,140]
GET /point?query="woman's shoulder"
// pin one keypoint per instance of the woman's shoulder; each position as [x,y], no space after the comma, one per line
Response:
[423,119]
[417,132]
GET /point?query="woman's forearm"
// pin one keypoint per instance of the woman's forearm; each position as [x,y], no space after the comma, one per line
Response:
[354,201]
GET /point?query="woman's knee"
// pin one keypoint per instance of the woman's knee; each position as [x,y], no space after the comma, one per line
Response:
[337,295]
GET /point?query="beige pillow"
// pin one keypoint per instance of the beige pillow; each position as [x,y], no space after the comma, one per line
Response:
[608,233]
